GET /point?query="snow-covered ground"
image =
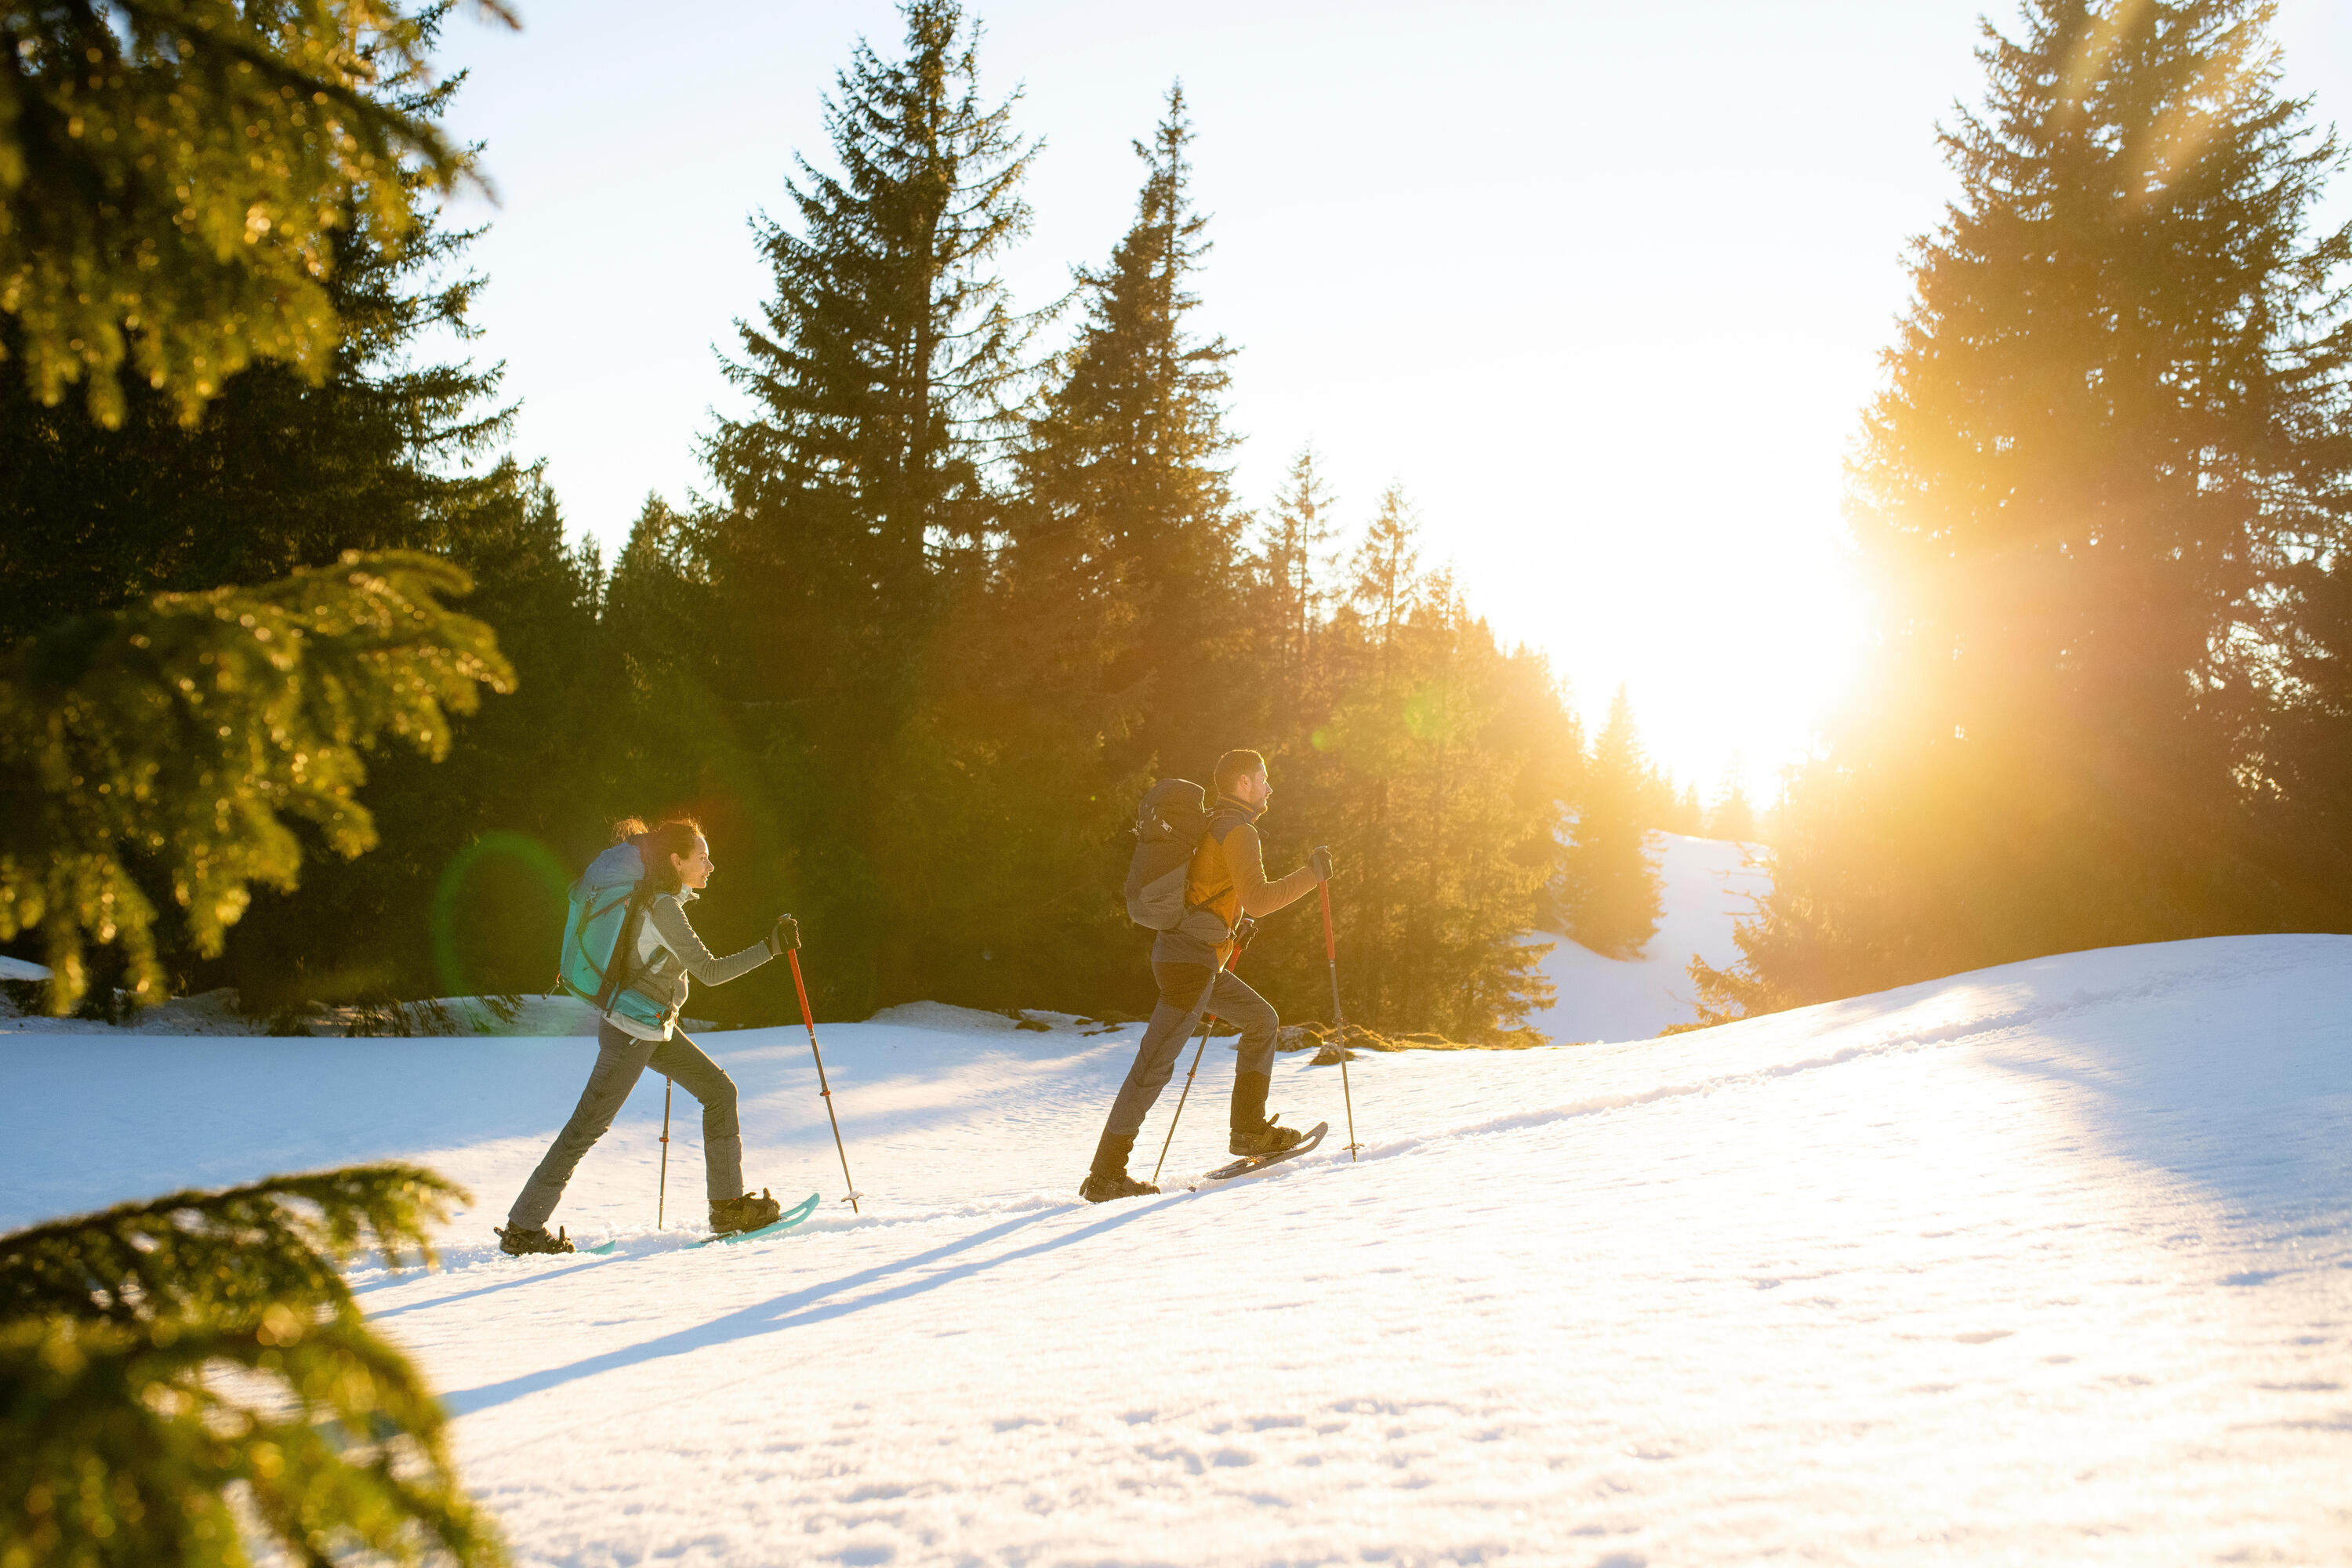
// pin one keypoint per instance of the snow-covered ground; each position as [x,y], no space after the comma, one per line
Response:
[214,1013]
[1707,886]
[2047,1264]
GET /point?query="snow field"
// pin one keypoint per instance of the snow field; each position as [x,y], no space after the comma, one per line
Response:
[2046,1263]
[1707,884]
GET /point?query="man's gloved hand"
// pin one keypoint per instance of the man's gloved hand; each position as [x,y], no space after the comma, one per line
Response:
[1321,861]
[1244,928]
[784,937]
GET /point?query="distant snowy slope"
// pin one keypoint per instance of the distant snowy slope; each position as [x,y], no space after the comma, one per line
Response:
[1707,884]
[2049,1264]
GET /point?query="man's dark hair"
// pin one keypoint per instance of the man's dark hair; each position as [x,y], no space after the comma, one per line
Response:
[1234,767]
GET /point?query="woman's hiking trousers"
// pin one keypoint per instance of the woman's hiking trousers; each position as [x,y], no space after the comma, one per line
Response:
[621,1059]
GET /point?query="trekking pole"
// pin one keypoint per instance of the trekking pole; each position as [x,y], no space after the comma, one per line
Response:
[661,1195]
[822,1087]
[1339,1018]
[1206,1017]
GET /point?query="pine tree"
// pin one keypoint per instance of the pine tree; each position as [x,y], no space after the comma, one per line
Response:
[463,893]
[2111,403]
[278,469]
[1127,504]
[882,366]
[186,730]
[1734,816]
[1386,569]
[175,174]
[855,499]
[1688,818]
[1086,652]
[1438,774]
[1297,536]
[2309,751]
[121,1441]
[391,447]
[1613,894]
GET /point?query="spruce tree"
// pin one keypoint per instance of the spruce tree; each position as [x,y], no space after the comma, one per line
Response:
[1688,818]
[1297,535]
[882,368]
[463,892]
[2308,749]
[1612,892]
[1438,773]
[180,1376]
[1733,815]
[2112,401]
[185,732]
[855,498]
[277,470]
[175,174]
[1127,500]
[1085,652]
[378,445]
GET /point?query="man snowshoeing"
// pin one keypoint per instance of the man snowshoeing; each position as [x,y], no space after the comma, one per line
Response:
[1225,882]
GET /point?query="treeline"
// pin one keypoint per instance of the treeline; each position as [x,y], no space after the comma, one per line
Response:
[951,602]
[2106,498]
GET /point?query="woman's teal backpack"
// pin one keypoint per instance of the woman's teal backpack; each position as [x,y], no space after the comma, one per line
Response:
[600,937]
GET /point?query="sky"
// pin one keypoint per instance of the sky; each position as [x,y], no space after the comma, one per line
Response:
[1603,287]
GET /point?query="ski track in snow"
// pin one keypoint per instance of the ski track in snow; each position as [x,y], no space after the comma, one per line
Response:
[2045,1264]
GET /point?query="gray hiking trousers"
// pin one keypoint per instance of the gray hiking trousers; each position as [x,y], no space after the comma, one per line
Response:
[1164,1037]
[620,1059]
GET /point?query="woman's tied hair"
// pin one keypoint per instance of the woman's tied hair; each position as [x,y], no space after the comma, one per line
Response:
[674,836]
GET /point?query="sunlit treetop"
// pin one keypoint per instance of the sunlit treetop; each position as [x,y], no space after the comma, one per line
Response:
[171,172]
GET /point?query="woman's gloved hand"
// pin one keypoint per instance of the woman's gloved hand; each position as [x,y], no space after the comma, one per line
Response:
[784,937]
[1321,860]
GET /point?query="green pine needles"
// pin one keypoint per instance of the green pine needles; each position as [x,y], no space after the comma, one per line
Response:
[172,173]
[178,735]
[180,1377]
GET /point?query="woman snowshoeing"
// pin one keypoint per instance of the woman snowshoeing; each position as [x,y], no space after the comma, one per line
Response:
[669,863]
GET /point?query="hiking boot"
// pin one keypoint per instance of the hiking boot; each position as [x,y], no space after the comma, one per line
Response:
[1099,1188]
[729,1216]
[515,1241]
[1265,1139]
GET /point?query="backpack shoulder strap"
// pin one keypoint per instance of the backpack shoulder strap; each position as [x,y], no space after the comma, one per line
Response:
[621,969]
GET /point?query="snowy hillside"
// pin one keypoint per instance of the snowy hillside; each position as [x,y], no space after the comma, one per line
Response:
[2049,1264]
[1707,884]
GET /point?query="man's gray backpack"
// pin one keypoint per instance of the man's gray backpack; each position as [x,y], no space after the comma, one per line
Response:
[1169,824]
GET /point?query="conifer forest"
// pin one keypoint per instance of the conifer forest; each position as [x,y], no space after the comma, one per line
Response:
[320,694]
[972,571]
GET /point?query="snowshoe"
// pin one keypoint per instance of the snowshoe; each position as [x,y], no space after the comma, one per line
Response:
[516,1241]
[1265,1139]
[729,1216]
[1099,1188]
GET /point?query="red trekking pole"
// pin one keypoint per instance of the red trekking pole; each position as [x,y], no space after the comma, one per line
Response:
[790,929]
[1339,1018]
